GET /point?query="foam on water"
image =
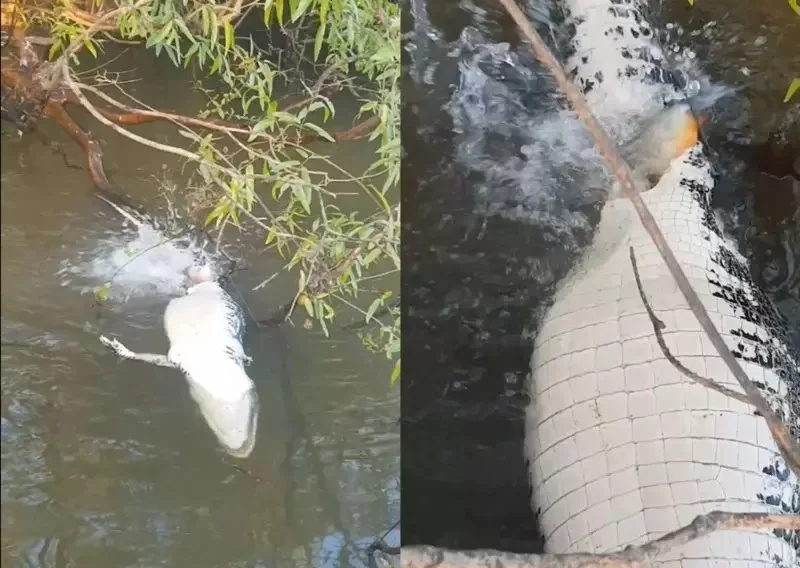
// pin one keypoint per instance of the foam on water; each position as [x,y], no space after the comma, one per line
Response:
[528,157]
[139,261]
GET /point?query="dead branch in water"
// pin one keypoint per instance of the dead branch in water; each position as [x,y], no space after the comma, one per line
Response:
[47,87]
[629,557]
[135,116]
[619,168]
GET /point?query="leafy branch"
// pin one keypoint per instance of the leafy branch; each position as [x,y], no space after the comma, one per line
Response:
[258,163]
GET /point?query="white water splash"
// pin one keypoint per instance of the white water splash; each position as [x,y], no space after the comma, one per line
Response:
[529,159]
[139,261]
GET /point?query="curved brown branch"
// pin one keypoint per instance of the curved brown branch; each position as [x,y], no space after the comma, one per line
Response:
[21,87]
[87,19]
[630,557]
[93,151]
[789,447]
[55,110]
[360,130]
[135,116]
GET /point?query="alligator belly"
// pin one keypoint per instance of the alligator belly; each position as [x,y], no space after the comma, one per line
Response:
[622,446]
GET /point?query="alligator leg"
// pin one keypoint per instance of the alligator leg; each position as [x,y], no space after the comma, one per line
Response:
[122,351]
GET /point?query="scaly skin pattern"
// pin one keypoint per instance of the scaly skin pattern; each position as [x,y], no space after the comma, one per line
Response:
[622,447]
[205,329]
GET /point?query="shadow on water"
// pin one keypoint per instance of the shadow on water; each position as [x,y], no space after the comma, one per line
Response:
[109,463]
[501,192]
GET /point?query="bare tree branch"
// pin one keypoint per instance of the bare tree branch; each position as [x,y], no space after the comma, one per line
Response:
[63,61]
[631,556]
[658,325]
[619,168]
[134,116]
[73,86]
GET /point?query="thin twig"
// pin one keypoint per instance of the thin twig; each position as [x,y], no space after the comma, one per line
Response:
[178,119]
[631,556]
[191,156]
[619,168]
[658,325]
[134,116]
[69,82]
[63,62]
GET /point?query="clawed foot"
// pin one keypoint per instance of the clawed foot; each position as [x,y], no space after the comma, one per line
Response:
[116,347]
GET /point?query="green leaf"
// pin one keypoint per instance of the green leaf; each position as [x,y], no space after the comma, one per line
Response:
[218,212]
[165,31]
[320,37]
[228,35]
[215,65]
[54,48]
[371,256]
[794,5]
[249,180]
[206,21]
[101,293]
[185,30]
[322,324]
[260,127]
[320,131]
[279,11]
[172,53]
[302,6]
[691,2]
[793,88]
[303,195]
[268,9]
[214,26]
[189,54]
[395,372]
[89,45]
[373,307]
[308,305]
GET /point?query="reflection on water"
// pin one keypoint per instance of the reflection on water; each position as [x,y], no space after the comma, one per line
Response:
[109,463]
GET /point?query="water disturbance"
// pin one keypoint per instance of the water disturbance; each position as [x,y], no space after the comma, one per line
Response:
[110,463]
[508,191]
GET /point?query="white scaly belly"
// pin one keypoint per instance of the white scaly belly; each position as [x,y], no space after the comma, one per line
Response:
[204,329]
[622,447]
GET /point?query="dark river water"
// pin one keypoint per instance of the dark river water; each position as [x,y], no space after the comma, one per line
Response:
[498,205]
[109,463]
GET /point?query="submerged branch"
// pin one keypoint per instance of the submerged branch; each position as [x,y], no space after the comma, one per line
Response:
[136,116]
[73,86]
[92,150]
[619,168]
